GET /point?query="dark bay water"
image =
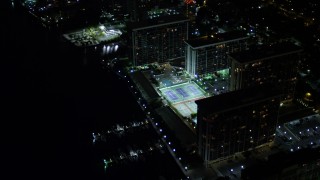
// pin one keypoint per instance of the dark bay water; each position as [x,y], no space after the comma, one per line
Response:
[51,103]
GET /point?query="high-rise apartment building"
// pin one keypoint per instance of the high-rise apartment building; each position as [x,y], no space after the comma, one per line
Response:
[236,121]
[160,40]
[209,54]
[276,64]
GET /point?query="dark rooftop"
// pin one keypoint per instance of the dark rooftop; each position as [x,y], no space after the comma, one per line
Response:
[278,162]
[265,52]
[217,39]
[148,92]
[234,99]
[182,132]
[151,23]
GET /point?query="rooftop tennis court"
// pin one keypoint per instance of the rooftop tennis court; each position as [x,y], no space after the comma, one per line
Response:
[186,108]
[182,97]
[182,92]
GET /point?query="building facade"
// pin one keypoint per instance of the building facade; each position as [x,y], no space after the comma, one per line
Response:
[209,54]
[277,64]
[160,40]
[236,121]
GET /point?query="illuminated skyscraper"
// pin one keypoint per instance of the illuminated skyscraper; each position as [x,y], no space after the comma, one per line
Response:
[209,54]
[159,40]
[236,121]
[277,64]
